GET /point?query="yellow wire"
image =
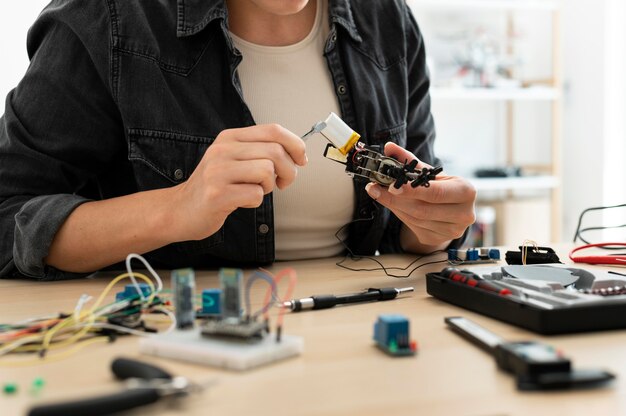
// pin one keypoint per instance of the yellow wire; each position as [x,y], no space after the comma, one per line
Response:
[90,312]
[56,357]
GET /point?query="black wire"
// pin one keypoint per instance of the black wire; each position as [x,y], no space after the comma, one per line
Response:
[382,267]
[579,231]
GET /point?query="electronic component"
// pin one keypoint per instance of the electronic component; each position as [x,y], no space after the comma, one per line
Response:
[221,352]
[130,290]
[474,255]
[183,286]
[531,255]
[536,366]
[211,304]
[249,331]
[232,340]
[9,388]
[391,333]
[368,162]
[231,282]
[337,132]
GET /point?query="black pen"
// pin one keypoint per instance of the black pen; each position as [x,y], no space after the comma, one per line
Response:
[328,301]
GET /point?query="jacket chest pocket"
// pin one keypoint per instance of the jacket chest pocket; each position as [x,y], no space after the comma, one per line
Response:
[161,159]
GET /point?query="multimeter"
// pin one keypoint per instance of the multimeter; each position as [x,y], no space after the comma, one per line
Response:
[535,365]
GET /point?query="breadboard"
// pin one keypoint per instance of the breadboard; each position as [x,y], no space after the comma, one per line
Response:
[189,345]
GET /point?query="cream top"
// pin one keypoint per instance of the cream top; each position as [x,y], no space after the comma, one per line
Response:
[292,86]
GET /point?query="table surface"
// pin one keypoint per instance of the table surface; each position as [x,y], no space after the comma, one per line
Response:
[341,372]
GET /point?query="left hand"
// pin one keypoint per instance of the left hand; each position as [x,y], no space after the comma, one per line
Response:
[434,215]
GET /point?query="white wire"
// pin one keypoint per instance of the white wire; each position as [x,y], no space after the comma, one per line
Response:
[84,298]
[171,316]
[150,269]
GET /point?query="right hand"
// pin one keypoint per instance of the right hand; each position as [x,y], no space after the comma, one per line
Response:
[237,170]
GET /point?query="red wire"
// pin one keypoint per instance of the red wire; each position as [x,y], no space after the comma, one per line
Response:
[602,259]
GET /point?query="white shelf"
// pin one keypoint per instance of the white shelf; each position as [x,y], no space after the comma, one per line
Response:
[515,183]
[495,94]
[486,4]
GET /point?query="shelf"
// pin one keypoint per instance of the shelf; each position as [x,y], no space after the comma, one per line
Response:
[487,4]
[496,94]
[515,183]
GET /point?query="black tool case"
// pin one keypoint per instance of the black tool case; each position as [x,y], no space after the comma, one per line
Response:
[515,311]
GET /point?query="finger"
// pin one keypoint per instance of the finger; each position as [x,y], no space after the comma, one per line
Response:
[286,170]
[446,220]
[257,172]
[293,145]
[243,195]
[447,190]
[443,190]
[443,230]
[403,155]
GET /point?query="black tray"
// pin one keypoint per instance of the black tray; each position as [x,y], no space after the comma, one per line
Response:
[544,321]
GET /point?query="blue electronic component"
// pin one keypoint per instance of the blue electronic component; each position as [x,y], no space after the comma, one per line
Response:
[391,333]
[211,302]
[474,255]
[130,290]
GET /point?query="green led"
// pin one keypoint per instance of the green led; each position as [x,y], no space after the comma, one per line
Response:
[38,383]
[10,388]
[393,346]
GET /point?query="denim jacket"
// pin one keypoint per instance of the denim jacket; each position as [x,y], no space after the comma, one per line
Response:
[124,96]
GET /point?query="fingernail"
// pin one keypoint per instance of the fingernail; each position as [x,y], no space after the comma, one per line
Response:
[372,190]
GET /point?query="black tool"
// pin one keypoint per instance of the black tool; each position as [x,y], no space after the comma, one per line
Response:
[536,366]
[145,384]
[328,301]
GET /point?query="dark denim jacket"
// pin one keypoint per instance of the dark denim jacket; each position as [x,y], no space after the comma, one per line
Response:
[126,95]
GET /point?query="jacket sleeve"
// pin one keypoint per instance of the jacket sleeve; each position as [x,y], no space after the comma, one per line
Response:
[56,134]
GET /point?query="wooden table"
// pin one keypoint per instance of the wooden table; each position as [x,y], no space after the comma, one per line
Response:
[340,371]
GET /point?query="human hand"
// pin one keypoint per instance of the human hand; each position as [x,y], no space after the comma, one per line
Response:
[237,170]
[434,215]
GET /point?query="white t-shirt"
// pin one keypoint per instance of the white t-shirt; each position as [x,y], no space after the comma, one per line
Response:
[292,86]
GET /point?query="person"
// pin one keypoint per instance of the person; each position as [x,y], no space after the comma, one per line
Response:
[172,128]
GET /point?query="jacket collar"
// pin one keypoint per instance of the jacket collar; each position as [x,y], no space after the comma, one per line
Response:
[195,15]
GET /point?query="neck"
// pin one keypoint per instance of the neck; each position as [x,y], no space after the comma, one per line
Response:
[262,27]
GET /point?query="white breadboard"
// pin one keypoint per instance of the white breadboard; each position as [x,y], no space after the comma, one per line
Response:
[234,355]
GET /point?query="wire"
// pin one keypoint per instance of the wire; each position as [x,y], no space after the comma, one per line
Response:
[382,267]
[293,278]
[525,249]
[267,277]
[579,231]
[55,332]
[154,274]
[56,357]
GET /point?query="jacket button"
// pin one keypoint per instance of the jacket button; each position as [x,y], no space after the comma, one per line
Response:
[333,38]
[341,89]
[178,174]
[264,228]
